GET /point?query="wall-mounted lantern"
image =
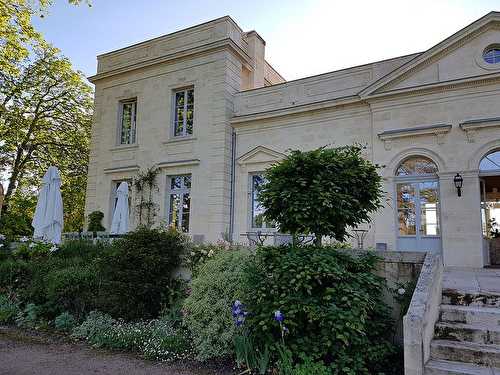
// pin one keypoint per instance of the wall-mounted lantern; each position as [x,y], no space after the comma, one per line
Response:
[458,181]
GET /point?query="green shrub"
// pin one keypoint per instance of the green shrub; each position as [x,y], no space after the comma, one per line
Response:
[198,254]
[8,309]
[94,325]
[137,272]
[82,249]
[65,322]
[95,224]
[208,308]
[14,275]
[29,317]
[332,302]
[72,289]
[306,366]
[33,249]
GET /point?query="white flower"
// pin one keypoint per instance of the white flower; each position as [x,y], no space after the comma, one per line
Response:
[204,252]
[193,253]
[32,245]
[401,291]
[53,248]
[2,237]
[1,244]
[23,239]
[210,253]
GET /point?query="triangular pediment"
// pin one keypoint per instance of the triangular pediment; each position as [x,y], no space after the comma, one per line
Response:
[260,154]
[456,58]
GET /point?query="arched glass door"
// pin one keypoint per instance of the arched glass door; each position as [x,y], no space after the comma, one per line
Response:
[489,171]
[417,205]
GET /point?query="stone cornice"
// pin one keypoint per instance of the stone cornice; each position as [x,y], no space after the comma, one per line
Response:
[225,43]
[438,130]
[241,120]
[410,132]
[461,83]
[128,168]
[480,123]
[471,126]
[178,163]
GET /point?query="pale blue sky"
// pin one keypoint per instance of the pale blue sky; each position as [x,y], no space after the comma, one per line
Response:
[304,37]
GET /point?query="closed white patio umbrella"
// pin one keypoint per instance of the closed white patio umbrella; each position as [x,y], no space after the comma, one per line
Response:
[48,220]
[119,224]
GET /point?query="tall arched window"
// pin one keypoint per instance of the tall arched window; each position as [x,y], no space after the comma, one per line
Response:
[417,202]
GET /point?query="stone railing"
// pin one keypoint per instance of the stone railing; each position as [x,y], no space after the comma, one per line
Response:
[418,323]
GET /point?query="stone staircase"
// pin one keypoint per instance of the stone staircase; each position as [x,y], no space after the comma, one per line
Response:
[467,334]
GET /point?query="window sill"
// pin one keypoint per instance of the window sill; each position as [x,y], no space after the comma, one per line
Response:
[124,147]
[180,139]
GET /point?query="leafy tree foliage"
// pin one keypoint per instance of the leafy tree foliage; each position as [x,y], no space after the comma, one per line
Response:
[45,119]
[17,34]
[323,191]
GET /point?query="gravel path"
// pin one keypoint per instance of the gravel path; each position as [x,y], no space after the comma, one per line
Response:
[23,353]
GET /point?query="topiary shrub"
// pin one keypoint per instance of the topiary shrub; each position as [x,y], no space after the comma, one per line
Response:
[332,303]
[95,224]
[321,192]
[136,272]
[208,308]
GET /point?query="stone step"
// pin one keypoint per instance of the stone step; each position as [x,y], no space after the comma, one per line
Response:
[476,315]
[470,298]
[467,333]
[477,354]
[437,367]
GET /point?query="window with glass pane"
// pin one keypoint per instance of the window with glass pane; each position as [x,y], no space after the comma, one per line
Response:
[490,162]
[429,208]
[492,55]
[416,166]
[179,201]
[183,112]
[258,219]
[128,121]
[406,209]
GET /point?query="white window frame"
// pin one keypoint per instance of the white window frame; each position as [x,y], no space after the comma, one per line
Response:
[133,131]
[180,191]
[174,113]
[267,227]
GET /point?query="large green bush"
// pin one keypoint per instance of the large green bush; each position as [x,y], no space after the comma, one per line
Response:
[136,274]
[130,278]
[322,191]
[208,308]
[73,289]
[332,302]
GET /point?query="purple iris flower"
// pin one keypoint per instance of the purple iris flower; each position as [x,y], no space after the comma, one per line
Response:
[278,316]
[239,313]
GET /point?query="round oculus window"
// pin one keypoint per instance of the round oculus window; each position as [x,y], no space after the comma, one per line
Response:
[491,55]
